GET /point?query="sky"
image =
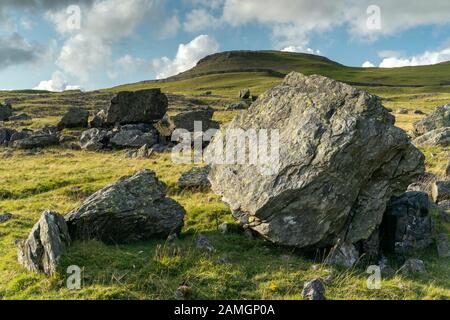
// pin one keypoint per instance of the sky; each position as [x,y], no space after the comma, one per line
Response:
[91,44]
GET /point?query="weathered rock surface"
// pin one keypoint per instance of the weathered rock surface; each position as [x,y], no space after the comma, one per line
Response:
[133,139]
[45,245]
[5,136]
[99,120]
[6,111]
[94,139]
[440,191]
[242,105]
[340,160]
[134,208]
[144,106]
[438,137]
[344,255]
[74,118]
[439,118]
[314,290]
[195,178]
[407,226]
[413,266]
[443,246]
[37,140]
[186,121]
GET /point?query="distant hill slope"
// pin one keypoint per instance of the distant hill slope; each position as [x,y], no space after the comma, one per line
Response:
[278,64]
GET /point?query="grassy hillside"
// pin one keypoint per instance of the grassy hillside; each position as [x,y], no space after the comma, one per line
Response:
[60,179]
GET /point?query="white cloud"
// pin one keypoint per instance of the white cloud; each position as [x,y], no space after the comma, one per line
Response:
[200,19]
[169,27]
[293,21]
[14,49]
[187,56]
[56,84]
[131,64]
[426,58]
[89,50]
[368,64]
[300,49]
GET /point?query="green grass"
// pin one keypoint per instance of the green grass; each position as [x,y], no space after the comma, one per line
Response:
[61,179]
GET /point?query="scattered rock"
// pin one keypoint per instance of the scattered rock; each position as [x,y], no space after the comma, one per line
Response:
[144,106]
[439,118]
[45,245]
[172,237]
[94,139]
[385,268]
[229,228]
[99,120]
[323,126]
[6,111]
[133,139]
[195,178]
[202,243]
[344,255]
[5,217]
[132,209]
[402,111]
[223,260]
[417,111]
[442,244]
[244,94]
[447,169]
[407,226]
[74,118]
[413,266]
[183,293]
[186,121]
[314,290]
[438,137]
[37,140]
[242,105]
[5,136]
[20,117]
[440,191]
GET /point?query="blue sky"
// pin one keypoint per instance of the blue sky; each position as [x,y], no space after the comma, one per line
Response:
[64,44]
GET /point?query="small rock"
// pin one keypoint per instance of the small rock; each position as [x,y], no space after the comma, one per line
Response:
[74,118]
[195,178]
[314,290]
[443,246]
[439,118]
[183,293]
[47,242]
[413,266]
[172,237]
[440,191]
[447,169]
[6,111]
[418,112]
[37,140]
[5,217]
[402,111]
[20,117]
[244,94]
[344,255]
[202,243]
[228,228]
[223,260]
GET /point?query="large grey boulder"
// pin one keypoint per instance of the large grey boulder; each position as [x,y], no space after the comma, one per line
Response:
[439,118]
[144,106]
[340,160]
[45,245]
[5,136]
[440,191]
[37,140]
[407,225]
[438,137]
[133,139]
[74,118]
[134,208]
[6,111]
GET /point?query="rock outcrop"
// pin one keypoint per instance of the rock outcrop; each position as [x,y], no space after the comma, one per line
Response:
[74,118]
[439,118]
[144,106]
[340,160]
[195,178]
[407,225]
[37,140]
[436,138]
[45,245]
[134,208]
[440,191]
